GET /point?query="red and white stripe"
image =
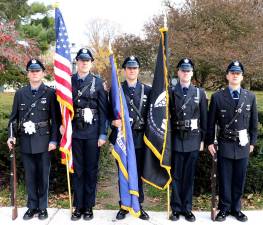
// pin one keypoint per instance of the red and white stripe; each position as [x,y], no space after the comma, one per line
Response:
[63,73]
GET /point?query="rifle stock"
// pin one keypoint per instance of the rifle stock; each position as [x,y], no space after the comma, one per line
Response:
[13,178]
[214,179]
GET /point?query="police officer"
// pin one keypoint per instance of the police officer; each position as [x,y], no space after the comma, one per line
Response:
[234,111]
[89,133]
[189,118]
[34,120]
[137,95]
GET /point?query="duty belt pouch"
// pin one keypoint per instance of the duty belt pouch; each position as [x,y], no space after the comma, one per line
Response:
[229,135]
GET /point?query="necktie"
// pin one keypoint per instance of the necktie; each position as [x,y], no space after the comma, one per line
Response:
[34,92]
[185,90]
[235,96]
[131,91]
[80,82]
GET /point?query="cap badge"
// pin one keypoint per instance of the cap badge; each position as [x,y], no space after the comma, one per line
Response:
[33,61]
[186,60]
[84,51]
[236,63]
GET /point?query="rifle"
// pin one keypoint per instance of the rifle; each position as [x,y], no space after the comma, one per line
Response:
[13,179]
[214,178]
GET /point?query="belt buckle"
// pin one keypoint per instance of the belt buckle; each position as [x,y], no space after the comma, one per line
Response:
[187,123]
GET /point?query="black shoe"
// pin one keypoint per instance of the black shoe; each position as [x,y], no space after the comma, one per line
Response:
[76,215]
[174,216]
[221,216]
[42,214]
[30,214]
[88,214]
[189,216]
[144,215]
[121,214]
[240,216]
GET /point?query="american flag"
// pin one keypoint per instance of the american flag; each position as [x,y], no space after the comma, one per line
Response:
[62,68]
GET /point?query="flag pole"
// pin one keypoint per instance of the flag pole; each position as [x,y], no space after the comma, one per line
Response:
[56,5]
[67,166]
[168,201]
[69,188]
[166,54]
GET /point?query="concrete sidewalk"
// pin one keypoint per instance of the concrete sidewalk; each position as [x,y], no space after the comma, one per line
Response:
[105,217]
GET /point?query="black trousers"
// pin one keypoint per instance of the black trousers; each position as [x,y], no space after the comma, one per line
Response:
[232,175]
[183,172]
[37,168]
[85,162]
[139,152]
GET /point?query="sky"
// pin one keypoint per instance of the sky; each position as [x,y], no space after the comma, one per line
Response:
[128,16]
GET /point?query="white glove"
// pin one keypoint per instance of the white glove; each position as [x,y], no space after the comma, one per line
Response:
[88,116]
[30,127]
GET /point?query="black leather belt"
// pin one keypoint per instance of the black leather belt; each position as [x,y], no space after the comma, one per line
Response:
[183,123]
[41,124]
[79,113]
[228,134]
[37,125]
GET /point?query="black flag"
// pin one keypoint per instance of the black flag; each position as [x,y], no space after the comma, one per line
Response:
[157,163]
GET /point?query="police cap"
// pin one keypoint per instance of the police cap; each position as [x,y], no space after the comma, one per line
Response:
[84,54]
[185,64]
[132,62]
[34,65]
[235,66]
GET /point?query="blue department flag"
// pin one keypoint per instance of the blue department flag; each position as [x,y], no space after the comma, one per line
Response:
[157,137]
[123,150]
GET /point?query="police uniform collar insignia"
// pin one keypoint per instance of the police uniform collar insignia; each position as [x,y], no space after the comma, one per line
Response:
[236,63]
[33,61]
[186,60]
[84,51]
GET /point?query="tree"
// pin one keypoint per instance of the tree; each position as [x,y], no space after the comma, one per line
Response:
[14,54]
[29,34]
[38,24]
[213,33]
[128,44]
[99,33]
[13,10]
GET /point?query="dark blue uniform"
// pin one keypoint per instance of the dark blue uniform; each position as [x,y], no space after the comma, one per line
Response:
[232,157]
[189,122]
[139,95]
[41,108]
[85,137]
[135,94]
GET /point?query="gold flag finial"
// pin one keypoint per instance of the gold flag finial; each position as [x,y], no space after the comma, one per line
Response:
[55,5]
[165,27]
[110,48]
[165,20]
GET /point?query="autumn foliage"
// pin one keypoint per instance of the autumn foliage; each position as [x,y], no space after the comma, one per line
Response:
[12,49]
